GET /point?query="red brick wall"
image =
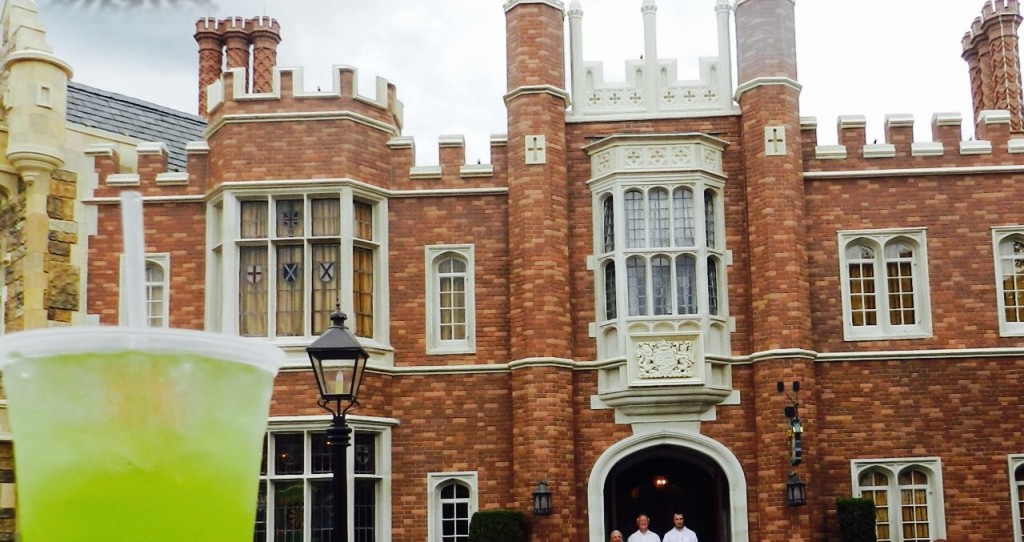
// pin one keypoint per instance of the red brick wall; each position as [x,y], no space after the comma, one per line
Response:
[958,211]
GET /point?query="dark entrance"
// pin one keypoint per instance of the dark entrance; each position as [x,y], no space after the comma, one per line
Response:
[662,480]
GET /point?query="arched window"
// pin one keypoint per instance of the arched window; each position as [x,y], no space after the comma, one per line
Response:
[686,284]
[682,208]
[156,294]
[1010,279]
[908,498]
[451,502]
[657,201]
[1017,495]
[885,284]
[454,512]
[636,285]
[710,231]
[156,276]
[635,223]
[610,302]
[609,224]
[450,299]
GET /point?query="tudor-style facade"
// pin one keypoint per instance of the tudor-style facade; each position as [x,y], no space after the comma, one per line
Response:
[608,305]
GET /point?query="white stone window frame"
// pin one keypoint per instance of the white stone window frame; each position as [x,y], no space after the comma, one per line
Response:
[381,427]
[892,467]
[999,236]
[435,345]
[1016,461]
[437,481]
[883,330]
[163,261]
[224,238]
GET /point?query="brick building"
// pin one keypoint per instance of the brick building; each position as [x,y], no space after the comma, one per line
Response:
[608,305]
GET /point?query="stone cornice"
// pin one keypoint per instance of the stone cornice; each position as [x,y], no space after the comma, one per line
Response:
[767,81]
[538,89]
[553,3]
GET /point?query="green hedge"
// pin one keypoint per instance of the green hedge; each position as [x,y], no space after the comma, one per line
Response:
[856,519]
[497,526]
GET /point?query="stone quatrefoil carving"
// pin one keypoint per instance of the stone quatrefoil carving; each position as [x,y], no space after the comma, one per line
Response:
[665,359]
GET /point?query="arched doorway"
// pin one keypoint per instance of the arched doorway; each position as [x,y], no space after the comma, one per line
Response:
[662,480]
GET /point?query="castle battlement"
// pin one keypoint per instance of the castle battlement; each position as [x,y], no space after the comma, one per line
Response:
[452,171]
[652,88]
[287,84]
[995,142]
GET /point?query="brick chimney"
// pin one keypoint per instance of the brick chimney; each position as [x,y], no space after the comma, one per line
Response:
[265,34]
[211,57]
[993,62]
[236,44]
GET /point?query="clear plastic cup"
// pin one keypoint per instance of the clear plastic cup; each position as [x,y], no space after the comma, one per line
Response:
[145,435]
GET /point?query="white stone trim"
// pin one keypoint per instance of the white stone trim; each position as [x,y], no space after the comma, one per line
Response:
[767,81]
[927,148]
[879,150]
[830,152]
[975,147]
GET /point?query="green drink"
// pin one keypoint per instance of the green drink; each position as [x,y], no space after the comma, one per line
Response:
[136,435]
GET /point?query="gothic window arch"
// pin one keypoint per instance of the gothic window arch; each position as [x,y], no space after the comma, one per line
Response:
[450,299]
[451,502]
[1016,467]
[1008,245]
[884,284]
[157,281]
[908,497]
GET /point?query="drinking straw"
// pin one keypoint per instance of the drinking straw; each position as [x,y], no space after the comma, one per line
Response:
[134,283]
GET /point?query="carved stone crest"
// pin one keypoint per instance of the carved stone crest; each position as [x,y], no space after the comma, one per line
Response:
[665,359]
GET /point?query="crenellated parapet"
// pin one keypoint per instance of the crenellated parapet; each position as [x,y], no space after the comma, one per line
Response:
[652,88]
[995,144]
[229,96]
[149,174]
[452,172]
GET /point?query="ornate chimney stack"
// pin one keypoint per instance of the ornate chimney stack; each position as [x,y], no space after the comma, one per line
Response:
[265,34]
[993,61]
[211,57]
[236,44]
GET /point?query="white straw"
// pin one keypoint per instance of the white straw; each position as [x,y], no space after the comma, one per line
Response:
[134,284]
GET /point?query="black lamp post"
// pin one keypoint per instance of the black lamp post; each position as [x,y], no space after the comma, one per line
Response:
[338,362]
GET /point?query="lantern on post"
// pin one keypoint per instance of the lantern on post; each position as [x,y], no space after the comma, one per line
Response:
[338,362]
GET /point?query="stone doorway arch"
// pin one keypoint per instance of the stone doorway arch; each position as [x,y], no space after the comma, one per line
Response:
[701,477]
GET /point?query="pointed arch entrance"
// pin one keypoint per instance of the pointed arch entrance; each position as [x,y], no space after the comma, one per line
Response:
[664,472]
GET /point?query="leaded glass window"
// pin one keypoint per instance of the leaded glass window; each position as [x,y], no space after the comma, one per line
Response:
[291,270]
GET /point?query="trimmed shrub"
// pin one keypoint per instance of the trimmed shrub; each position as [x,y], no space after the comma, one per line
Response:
[497,526]
[856,519]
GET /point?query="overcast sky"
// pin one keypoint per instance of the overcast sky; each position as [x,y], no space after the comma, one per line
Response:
[447,57]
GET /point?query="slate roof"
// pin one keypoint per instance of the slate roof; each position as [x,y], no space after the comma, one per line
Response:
[120,114]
